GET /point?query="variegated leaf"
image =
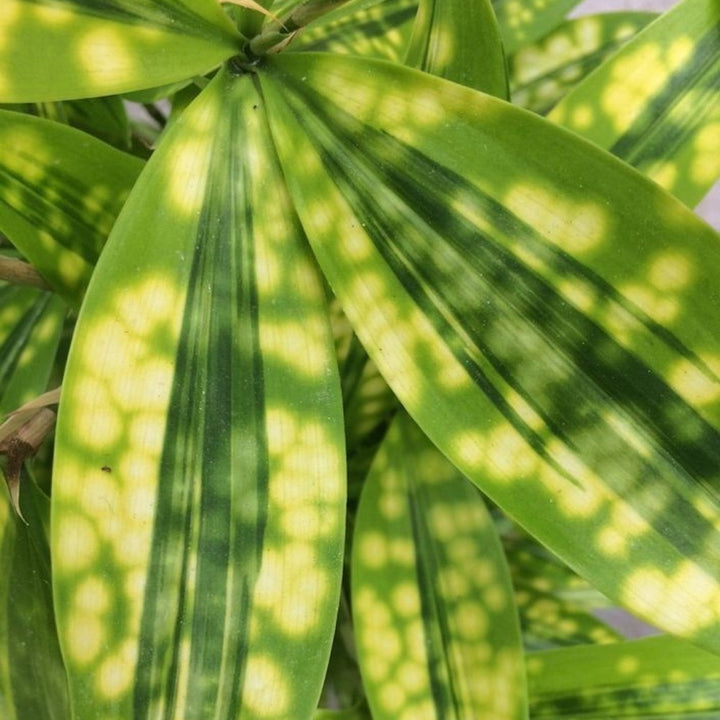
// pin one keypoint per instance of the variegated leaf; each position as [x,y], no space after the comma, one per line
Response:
[540,309]
[436,627]
[67,49]
[199,486]
[60,192]
[542,73]
[655,104]
[649,679]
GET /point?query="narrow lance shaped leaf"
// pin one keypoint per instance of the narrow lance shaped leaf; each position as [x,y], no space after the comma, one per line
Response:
[523,23]
[541,74]
[539,308]
[460,41]
[436,626]
[199,459]
[33,683]
[375,28]
[88,48]
[655,103]
[658,677]
[32,676]
[60,192]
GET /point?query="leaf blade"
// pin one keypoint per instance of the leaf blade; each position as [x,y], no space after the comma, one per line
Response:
[228,486]
[97,48]
[409,273]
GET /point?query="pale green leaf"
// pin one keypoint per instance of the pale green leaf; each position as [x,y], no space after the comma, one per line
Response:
[540,308]
[460,41]
[522,23]
[199,484]
[653,678]
[656,103]
[60,192]
[436,629]
[542,73]
[67,49]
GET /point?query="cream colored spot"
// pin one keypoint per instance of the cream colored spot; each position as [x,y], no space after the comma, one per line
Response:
[508,455]
[115,676]
[106,57]
[405,600]
[187,180]
[85,635]
[391,696]
[373,549]
[670,271]
[266,691]
[76,543]
[92,596]
[693,384]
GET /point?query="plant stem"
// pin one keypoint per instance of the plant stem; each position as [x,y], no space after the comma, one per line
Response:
[18,272]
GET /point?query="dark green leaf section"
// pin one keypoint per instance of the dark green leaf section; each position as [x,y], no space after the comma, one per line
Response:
[32,675]
[477,253]
[105,118]
[655,103]
[214,470]
[437,632]
[541,74]
[60,192]
[523,23]
[377,28]
[31,661]
[459,41]
[653,678]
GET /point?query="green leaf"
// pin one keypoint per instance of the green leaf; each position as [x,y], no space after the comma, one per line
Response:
[436,629]
[376,28]
[542,73]
[551,602]
[658,677]
[67,49]
[32,678]
[198,499]
[60,192]
[460,41]
[105,118]
[655,104]
[539,308]
[522,23]
[33,683]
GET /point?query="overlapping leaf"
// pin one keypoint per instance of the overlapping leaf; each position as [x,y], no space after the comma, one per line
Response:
[60,192]
[460,41]
[198,506]
[32,677]
[523,23]
[539,308]
[436,627]
[655,104]
[541,74]
[659,677]
[376,28]
[67,49]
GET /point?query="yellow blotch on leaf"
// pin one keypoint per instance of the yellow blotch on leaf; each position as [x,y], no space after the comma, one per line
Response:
[266,692]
